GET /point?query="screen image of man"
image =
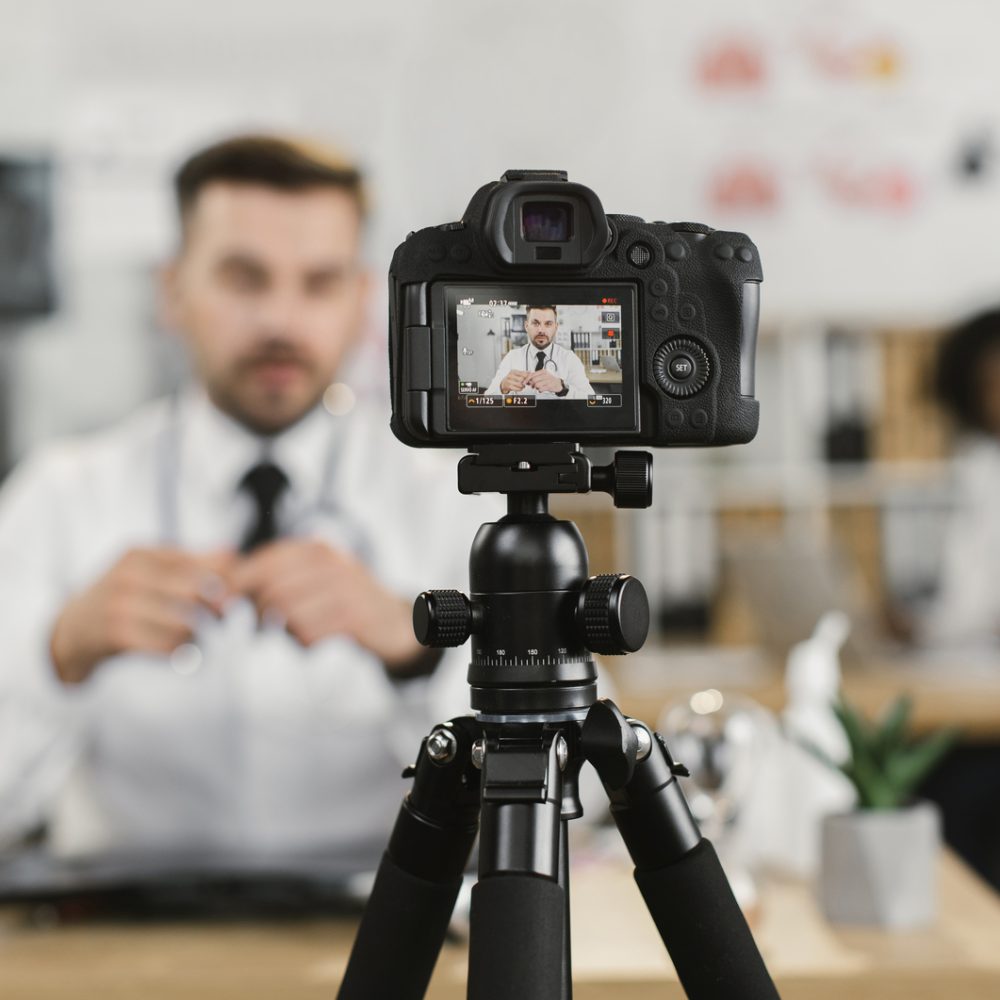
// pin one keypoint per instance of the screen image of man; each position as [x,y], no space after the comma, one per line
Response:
[541,367]
[206,609]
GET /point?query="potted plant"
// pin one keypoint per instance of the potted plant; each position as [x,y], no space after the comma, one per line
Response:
[878,864]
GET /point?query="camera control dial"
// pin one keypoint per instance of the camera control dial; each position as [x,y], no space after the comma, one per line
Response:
[681,367]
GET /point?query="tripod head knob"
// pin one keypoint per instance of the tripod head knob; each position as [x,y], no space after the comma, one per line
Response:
[613,614]
[629,479]
[442,618]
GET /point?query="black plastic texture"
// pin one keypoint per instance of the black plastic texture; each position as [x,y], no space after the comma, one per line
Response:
[703,291]
[614,614]
[700,922]
[437,822]
[525,574]
[442,618]
[517,936]
[629,479]
[527,554]
[610,744]
[501,229]
[400,936]
[682,347]
[651,812]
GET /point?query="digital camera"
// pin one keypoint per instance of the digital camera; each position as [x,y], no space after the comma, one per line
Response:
[538,317]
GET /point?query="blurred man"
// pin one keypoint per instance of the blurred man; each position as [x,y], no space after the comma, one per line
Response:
[549,370]
[205,611]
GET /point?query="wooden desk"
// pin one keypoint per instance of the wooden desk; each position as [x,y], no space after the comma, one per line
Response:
[616,953]
[943,693]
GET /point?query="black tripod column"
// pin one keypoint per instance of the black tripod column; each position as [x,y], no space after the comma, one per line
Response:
[519,925]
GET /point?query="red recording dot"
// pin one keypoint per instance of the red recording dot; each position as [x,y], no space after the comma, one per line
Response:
[604,302]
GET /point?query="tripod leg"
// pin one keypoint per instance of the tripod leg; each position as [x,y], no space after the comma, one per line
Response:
[567,991]
[406,918]
[678,873]
[517,948]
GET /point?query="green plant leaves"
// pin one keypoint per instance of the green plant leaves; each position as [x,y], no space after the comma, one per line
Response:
[885,766]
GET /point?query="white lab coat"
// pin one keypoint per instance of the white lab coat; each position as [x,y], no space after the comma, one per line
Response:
[558,360]
[267,746]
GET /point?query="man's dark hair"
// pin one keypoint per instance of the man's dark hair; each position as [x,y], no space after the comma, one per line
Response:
[527,309]
[956,381]
[271,161]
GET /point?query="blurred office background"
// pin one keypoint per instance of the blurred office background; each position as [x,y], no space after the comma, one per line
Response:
[856,142]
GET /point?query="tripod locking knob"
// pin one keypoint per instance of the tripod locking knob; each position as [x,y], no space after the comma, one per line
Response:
[442,618]
[613,614]
[629,479]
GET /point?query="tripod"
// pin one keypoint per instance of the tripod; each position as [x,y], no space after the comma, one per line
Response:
[512,770]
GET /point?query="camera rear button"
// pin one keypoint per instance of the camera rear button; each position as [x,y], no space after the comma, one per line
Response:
[699,418]
[681,367]
[659,311]
[659,287]
[640,255]
[675,417]
[676,251]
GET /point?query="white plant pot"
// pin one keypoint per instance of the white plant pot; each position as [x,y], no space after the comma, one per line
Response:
[879,866]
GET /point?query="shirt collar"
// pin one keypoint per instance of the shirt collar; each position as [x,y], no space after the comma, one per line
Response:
[217,451]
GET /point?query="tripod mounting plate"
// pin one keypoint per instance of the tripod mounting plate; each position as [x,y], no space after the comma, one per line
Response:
[559,467]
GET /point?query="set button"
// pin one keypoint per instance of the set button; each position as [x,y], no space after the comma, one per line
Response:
[681,367]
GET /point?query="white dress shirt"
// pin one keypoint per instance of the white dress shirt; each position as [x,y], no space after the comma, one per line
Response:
[244,739]
[966,609]
[558,360]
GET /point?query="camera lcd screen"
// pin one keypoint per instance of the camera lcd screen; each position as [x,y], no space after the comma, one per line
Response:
[545,358]
[547,221]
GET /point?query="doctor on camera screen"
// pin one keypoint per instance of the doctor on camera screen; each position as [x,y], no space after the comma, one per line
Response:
[541,367]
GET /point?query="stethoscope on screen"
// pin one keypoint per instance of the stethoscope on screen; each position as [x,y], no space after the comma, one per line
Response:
[549,360]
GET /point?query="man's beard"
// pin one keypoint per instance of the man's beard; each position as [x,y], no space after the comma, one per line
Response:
[263,411]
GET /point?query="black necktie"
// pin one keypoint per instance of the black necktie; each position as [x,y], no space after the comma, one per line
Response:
[265,483]
[541,361]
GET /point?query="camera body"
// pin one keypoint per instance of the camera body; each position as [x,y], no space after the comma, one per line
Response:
[538,317]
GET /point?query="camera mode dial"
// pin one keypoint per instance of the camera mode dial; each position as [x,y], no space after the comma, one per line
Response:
[442,618]
[613,614]
[681,367]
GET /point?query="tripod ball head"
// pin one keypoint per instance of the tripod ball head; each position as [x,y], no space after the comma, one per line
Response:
[612,615]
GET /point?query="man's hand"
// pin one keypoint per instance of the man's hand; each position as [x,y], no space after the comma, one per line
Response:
[544,381]
[514,381]
[317,592]
[146,603]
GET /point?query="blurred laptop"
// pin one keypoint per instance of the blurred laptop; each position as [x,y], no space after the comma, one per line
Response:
[788,584]
[188,884]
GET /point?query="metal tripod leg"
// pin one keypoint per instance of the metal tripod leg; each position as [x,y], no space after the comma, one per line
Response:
[518,948]
[683,884]
[405,921]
